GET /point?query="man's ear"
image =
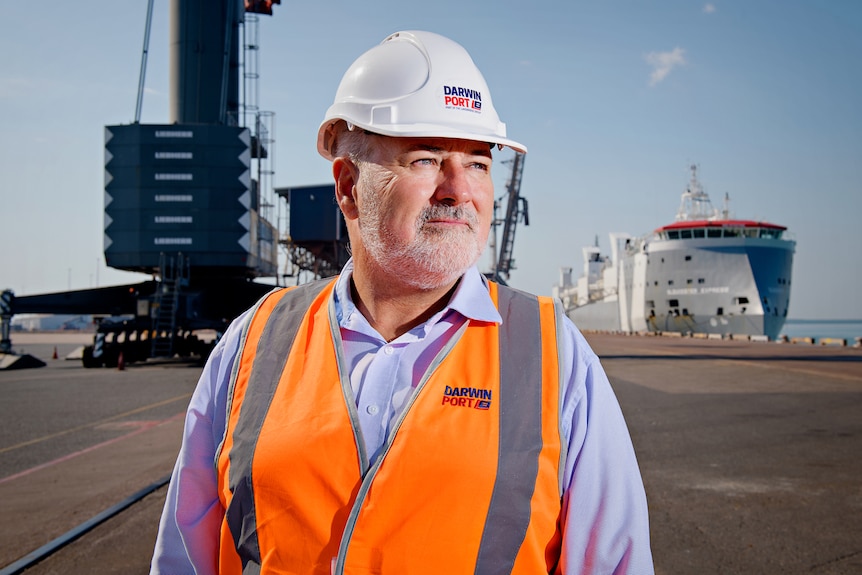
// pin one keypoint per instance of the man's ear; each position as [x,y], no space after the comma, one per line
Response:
[346,174]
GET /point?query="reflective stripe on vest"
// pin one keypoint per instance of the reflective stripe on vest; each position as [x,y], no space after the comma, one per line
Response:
[520,402]
[520,432]
[284,321]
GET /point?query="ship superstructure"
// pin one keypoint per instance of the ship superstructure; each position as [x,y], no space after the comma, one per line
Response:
[704,273]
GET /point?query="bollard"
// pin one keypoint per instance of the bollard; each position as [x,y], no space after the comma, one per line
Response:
[121,363]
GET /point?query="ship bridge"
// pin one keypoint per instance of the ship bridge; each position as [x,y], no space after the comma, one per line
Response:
[720,229]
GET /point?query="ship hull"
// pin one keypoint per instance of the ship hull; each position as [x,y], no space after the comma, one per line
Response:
[727,286]
[598,316]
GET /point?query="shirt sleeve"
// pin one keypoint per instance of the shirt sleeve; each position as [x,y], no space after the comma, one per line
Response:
[605,517]
[188,536]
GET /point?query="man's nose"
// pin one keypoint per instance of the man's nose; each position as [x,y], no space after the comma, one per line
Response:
[453,185]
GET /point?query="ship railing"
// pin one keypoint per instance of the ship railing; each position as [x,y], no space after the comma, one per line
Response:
[593,297]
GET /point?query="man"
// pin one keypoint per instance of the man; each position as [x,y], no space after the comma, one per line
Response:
[408,416]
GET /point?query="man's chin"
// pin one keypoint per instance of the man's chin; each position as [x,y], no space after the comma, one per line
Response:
[441,273]
[429,280]
[427,265]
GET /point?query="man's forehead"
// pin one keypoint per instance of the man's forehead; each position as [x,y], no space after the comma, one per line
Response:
[440,145]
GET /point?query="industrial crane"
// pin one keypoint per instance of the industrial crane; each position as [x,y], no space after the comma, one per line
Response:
[188,201]
[516,211]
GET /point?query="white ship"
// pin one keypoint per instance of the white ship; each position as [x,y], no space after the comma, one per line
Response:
[704,273]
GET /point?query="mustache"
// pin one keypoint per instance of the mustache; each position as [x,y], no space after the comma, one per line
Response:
[441,211]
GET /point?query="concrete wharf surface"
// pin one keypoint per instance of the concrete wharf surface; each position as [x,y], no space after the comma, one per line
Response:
[750,454]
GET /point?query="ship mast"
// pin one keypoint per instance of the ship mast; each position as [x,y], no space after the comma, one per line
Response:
[695,203]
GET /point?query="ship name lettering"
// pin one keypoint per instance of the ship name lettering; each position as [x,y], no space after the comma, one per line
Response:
[695,291]
[719,289]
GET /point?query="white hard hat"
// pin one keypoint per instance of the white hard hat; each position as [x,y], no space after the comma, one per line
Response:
[415,84]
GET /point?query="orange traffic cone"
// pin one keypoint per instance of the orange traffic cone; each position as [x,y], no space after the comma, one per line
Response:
[121,363]
[55,352]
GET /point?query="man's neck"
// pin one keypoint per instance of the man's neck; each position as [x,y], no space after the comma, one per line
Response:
[394,308]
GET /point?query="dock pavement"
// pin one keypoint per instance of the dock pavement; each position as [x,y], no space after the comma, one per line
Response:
[750,453]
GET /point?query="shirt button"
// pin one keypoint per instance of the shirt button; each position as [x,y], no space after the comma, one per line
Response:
[372,409]
[388,350]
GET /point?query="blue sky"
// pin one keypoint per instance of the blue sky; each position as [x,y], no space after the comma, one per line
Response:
[614,98]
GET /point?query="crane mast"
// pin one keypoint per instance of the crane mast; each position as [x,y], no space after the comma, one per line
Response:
[516,210]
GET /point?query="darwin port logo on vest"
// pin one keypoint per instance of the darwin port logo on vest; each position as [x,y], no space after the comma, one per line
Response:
[470,397]
[462,98]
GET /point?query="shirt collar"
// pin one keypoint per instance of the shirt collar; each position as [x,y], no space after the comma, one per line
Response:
[471,299]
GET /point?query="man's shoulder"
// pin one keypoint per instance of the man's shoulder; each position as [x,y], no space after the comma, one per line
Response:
[306,290]
[519,295]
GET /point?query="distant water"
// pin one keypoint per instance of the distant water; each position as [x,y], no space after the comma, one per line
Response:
[848,329]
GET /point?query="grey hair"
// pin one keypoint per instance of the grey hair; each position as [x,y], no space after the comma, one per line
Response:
[352,143]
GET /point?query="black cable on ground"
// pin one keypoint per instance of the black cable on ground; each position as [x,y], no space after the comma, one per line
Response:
[53,546]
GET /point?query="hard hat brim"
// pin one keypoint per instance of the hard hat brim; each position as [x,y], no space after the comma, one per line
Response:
[411,131]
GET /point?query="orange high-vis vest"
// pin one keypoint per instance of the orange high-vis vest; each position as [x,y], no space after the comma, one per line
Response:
[470,477]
